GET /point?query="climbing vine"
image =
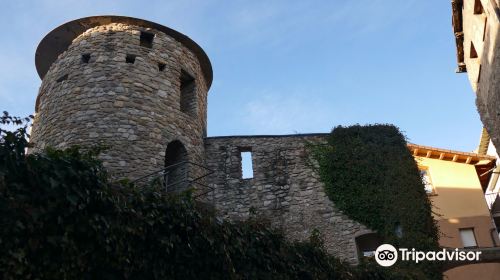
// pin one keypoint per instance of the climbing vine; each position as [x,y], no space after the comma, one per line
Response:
[372,177]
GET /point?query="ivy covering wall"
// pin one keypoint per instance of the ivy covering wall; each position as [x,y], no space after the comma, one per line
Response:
[371,176]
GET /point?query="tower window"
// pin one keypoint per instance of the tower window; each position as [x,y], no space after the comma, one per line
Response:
[130,58]
[86,57]
[147,39]
[62,78]
[246,163]
[188,93]
[161,66]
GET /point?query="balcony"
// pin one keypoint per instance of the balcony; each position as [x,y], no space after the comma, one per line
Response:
[493,202]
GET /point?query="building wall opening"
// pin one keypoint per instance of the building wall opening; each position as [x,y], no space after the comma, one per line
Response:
[468,237]
[130,58]
[147,39]
[86,57]
[161,66]
[367,244]
[188,93]
[246,163]
[176,167]
[478,7]
[473,52]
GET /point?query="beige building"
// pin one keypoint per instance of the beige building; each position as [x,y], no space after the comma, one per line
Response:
[455,182]
[476,26]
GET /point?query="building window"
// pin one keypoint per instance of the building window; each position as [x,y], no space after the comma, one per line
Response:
[161,66]
[86,57]
[468,237]
[188,93]
[367,244]
[246,163]
[147,39]
[426,180]
[398,230]
[478,7]
[473,52]
[176,167]
[130,58]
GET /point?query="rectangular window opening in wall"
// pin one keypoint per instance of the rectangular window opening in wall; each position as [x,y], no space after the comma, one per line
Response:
[62,78]
[246,164]
[478,7]
[86,57]
[468,237]
[161,66]
[130,58]
[473,52]
[147,39]
[188,93]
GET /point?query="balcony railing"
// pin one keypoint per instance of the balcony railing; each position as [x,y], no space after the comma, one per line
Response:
[176,177]
[492,200]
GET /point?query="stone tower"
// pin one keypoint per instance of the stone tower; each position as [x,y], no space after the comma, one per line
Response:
[135,86]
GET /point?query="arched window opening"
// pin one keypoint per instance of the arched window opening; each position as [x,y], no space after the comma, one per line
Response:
[367,244]
[176,167]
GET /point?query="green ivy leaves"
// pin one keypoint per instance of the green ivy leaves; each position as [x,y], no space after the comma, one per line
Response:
[371,176]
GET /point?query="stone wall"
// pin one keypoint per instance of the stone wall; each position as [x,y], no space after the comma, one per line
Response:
[109,88]
[285,189]
[480,27]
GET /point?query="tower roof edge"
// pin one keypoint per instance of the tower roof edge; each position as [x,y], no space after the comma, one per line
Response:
[58,40]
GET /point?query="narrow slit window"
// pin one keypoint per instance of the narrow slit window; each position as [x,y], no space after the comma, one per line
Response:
[246,165]
[161,67]
[473,52]
[85,58]
[147,39]
[485,29]
[62,78]
[130,58]
[188,93]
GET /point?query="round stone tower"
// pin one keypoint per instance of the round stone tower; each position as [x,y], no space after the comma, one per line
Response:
[135,86]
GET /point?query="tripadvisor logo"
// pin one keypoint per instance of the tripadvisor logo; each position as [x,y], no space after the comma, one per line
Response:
[387,255]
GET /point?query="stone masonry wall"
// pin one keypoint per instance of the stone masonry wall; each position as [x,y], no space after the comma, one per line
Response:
[284,189]
[134,108]
[482,30]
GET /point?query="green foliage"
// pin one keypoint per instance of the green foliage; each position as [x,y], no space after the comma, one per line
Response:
[371,176]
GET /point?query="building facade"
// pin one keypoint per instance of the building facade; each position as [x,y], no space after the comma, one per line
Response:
[476,25]
[456,182]
[140,89]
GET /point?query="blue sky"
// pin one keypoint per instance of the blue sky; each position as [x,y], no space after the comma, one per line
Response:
[284,67]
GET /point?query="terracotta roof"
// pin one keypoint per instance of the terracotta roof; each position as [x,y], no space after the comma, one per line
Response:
[451,155]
